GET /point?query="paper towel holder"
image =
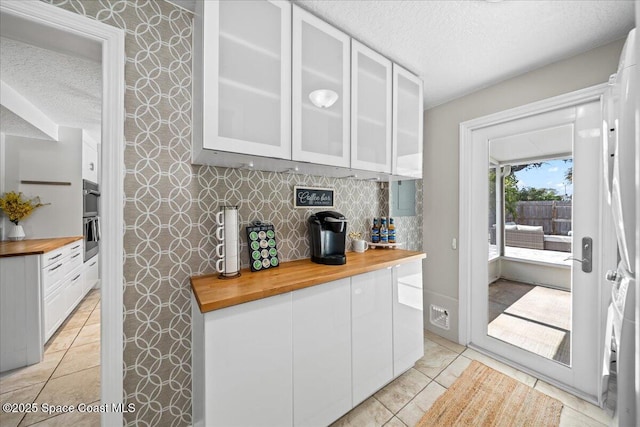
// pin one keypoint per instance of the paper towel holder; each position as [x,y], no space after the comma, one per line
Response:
[228,250]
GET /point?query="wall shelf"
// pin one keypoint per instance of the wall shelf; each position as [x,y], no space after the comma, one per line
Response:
[45,183]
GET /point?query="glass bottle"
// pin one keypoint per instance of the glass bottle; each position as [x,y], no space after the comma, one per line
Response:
[384,233]
[392,231]
[375,231]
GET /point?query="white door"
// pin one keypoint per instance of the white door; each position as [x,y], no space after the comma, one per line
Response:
[370,109]
[371,332]
[321,353]
[407,123]
[321,65]
[245,67]
[581,373]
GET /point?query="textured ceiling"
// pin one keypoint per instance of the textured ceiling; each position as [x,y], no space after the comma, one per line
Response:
[458,47]
[68,89]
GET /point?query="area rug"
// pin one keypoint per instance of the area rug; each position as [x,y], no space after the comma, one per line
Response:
[482,396]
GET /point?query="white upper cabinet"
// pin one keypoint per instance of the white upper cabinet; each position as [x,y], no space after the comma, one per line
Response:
[407,123]
[370,109]
[242,77]
[321,65]
[89,158]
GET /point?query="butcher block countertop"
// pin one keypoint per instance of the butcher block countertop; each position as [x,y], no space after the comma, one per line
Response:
[213,293]
[34,246]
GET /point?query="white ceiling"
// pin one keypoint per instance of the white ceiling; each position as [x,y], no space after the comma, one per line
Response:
[57,71]
[460,46]
[456,46]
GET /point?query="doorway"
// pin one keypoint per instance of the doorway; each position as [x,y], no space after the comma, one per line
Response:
[58,23]
[524,287]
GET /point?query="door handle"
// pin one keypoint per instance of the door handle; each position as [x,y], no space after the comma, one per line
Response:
[587,255]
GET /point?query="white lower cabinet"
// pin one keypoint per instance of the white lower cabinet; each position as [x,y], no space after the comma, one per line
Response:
[37,293]
[408,333]
[307,357]
[244,377]
[372,340]
[321,353]
[91,273]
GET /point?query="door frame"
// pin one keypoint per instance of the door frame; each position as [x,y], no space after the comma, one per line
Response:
[468,188]
[112,175]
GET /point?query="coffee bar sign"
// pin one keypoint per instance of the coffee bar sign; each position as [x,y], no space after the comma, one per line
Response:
[305,197]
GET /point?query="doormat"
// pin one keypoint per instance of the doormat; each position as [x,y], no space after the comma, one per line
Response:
[482,396]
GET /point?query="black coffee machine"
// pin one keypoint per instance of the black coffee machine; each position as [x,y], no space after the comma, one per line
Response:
[328,231]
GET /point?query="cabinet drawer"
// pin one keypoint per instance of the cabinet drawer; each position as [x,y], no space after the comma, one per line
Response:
[52,275]
[54,257]
[74,261]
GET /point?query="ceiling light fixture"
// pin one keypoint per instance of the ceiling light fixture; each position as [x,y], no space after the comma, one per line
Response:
[323,98]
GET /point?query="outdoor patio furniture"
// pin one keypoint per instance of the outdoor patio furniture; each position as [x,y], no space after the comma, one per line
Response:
[557,243]
[524,236]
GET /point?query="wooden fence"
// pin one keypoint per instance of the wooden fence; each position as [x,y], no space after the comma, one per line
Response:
[553,216]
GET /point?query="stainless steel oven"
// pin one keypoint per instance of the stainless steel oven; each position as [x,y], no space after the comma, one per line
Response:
[90,218]
[91,236]
[90,199]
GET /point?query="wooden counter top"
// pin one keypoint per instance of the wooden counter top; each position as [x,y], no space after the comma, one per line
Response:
[213,293]
[34,246]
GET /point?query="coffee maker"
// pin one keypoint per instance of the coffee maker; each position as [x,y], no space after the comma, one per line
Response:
[328,230]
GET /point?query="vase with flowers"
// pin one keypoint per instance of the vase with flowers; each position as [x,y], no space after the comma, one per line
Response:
[17,207]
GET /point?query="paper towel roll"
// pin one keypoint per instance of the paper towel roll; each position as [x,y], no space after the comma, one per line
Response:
[231,241]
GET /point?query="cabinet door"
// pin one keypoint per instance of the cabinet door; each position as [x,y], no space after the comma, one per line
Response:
[370,109]
[320,63]
[89,162]
[91,272]
[407,123]
[371,326]
[321,353]
[246,77]
[248,354]
[53,311]
[408,334]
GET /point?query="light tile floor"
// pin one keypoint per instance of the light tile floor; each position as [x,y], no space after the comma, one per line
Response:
[404,401]
[68,375]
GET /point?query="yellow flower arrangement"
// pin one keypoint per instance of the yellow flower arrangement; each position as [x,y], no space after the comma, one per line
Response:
[17,208]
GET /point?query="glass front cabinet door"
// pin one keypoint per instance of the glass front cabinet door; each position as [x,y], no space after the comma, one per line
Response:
[370,109]
[242,79]
[407,123]
[321,75]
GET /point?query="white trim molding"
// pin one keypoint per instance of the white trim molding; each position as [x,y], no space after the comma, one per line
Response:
[111,179]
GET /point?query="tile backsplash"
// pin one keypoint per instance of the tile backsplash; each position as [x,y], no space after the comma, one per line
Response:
[268,197]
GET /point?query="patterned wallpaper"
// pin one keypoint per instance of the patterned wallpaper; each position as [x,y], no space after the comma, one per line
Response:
[170,206]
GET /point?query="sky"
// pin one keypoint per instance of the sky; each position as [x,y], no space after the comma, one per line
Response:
[549,175]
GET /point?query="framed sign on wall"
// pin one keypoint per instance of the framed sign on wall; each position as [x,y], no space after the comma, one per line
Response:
[309,197]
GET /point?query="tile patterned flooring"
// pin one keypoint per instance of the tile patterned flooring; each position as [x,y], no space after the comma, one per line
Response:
[68,375]
[404,401]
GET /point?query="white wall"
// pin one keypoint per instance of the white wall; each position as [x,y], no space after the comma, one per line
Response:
[441,158]
[39,160]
